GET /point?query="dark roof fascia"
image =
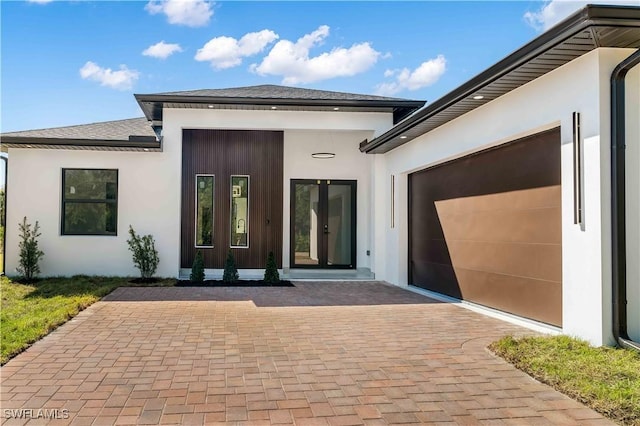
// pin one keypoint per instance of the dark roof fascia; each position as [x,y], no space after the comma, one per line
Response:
[142,142]
[221,100]
[589,16]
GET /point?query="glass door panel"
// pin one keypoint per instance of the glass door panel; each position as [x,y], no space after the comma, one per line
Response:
[305,222]
[323,224]
[339,224]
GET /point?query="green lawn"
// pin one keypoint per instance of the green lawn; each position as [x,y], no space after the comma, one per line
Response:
[29,312]
[605,379]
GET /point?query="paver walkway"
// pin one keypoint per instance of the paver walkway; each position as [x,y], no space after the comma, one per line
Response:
[320,353]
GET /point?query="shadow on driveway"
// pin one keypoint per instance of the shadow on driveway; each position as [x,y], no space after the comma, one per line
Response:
[307,293]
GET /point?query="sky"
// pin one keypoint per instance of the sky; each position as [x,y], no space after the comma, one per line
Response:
[75,62]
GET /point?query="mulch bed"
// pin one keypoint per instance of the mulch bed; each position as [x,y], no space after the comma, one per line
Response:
[241,283]
[144,280]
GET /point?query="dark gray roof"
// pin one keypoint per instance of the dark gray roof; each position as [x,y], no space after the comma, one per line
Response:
[132,133]
[274,97]
[272,91]
[588,29]
[106,130]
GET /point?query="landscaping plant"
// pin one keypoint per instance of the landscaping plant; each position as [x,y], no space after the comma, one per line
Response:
[271,275]
[230,271]
[30,254]
[197,269]
[145,255]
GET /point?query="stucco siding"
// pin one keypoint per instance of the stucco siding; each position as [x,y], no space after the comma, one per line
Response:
[549,101]
[349,163]
[148,199]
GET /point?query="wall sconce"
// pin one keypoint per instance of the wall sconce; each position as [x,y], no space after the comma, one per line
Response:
[323,155]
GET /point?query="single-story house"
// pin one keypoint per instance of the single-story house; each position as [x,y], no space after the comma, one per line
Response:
[518,191]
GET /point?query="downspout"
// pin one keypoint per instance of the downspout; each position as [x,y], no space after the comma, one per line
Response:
[4,215]
[618,202]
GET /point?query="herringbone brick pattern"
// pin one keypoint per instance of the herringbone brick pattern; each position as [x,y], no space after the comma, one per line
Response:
[339,353]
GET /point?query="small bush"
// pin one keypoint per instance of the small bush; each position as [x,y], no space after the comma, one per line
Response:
[30,254]
[145,255]
[230,271]
[197,269]
[271,275]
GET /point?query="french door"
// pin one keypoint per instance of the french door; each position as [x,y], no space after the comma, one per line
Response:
[323,223]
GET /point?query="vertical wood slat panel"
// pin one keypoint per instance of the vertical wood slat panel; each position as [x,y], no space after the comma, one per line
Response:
[224,153]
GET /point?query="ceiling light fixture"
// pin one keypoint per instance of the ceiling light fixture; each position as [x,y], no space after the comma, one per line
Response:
[403,137]
[274,107]
[146,149]
[478,97]
[323,155]
[336,109]
[210,106]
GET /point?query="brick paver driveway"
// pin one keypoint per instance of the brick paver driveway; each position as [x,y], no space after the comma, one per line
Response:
[319,353]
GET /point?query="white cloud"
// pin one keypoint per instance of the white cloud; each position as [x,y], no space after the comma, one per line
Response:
[192,13]
[162,50]
[226,52]
[122,79]
[554,11]
[425,75]
[39,1]
[292,62]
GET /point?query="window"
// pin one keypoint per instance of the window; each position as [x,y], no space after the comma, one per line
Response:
[204,210]
[240,211]
[89,202]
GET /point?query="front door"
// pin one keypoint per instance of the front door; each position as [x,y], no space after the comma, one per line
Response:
[323,223]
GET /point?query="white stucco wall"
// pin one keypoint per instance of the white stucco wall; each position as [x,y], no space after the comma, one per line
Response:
[547,102]
[148,199]
[149,185]
[349,163]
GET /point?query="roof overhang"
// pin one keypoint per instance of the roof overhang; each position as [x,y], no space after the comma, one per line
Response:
[134,143]
[588,29]
[153,104]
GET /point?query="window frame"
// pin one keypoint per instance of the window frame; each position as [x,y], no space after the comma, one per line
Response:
[231,210]
[195,211]
[64,202]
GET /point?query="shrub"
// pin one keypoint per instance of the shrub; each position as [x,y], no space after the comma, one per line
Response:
[30,254]
[197,269]
[271,275]
[145,255]
[230,271]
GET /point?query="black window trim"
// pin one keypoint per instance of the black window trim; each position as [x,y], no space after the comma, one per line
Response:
[63,203]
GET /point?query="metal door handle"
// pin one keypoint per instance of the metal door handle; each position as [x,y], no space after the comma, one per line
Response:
[326,229]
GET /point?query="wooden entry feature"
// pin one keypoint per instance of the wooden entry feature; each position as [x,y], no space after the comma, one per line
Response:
[488,228]
[223,154]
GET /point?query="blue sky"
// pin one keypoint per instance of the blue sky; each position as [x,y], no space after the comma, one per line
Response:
[74,62]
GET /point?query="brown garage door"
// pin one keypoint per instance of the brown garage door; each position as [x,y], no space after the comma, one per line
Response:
[487,228]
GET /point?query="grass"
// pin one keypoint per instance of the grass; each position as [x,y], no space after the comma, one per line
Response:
[605,379]
[30,311]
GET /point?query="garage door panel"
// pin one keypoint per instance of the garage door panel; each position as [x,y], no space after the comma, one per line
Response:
[437,277]
[536,299]
[434,251]
[538,261]
[534,226]
[497,216]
